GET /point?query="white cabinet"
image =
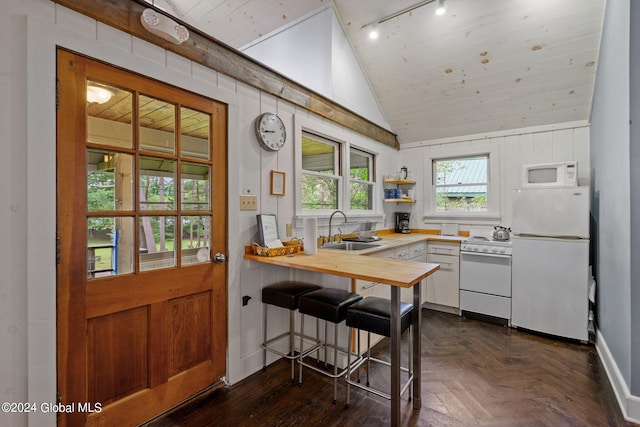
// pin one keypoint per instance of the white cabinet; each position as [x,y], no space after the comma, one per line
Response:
[443,286]
[416,252]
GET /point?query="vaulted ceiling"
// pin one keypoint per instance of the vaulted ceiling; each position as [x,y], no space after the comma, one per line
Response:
[483,66]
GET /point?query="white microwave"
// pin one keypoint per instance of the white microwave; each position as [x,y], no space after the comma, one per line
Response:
[558,174]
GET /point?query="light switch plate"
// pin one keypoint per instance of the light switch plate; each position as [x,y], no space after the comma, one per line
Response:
[248,203]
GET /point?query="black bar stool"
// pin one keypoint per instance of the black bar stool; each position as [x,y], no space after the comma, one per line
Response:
[373,314]
[286,295]
[330,305]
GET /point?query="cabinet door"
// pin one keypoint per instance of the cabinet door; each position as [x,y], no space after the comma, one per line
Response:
[443,286]
[417,250]
[417,253]
[444,248]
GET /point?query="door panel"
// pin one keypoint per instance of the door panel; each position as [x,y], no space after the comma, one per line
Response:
[190,331]
[117,355]
[141,173]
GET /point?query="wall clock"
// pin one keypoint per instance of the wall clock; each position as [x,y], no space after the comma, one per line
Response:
[270,131]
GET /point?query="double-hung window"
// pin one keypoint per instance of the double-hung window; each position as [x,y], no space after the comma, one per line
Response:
[334,174]
[361,179]
[461,184]
[321,173]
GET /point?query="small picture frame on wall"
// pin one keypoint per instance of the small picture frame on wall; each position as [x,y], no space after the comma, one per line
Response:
[277,183]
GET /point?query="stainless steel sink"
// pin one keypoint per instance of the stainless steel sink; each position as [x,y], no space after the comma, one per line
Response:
[349,246]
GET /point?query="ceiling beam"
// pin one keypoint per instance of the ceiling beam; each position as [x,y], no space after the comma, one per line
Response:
[211,53]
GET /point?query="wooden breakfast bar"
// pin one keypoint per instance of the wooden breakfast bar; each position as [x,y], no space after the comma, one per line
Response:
[397,274]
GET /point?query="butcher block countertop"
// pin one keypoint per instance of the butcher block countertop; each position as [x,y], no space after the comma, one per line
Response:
[393,240]
[389,271]
[353,265]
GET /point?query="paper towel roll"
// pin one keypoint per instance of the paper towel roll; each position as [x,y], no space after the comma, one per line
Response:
[310,226]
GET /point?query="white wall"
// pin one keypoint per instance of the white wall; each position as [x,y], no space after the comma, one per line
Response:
[611,169]
[350,87]
[635,197]
[316,52]
[612,189]
[514,148]
[13,211]
[302,52]
[30,30]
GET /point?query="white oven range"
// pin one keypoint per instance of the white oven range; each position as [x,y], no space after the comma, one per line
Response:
[485,277]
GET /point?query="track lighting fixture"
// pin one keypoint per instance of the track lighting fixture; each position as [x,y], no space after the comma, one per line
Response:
[373,26]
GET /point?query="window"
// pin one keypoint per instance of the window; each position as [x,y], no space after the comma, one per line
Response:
[361,180]
[325,183]
[320,173]
[461,184]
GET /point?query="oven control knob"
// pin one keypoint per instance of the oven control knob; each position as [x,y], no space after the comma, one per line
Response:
[502,250]
[495,250]
[485,249]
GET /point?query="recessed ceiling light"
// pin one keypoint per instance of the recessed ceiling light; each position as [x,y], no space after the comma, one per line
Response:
[440,10]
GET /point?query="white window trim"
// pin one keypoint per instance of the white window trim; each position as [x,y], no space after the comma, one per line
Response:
[372,170]
[480,148]
[341,136]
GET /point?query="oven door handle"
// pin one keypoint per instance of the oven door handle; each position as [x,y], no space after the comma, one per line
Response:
[485,254]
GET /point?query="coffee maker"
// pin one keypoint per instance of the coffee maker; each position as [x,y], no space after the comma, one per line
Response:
[403,223]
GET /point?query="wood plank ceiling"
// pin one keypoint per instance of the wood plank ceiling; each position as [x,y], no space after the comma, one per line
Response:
[483,66]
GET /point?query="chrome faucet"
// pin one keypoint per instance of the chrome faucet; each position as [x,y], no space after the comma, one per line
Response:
[328,238]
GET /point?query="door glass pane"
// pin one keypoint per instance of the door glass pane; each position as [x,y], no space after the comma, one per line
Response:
[109,246]
[109,181]
[157,182]
[157,239]
[196,238]
[157,125]
[194,130]
[109,113]
[194,181]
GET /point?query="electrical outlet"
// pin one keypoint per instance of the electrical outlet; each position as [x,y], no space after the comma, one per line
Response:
[289,230]
[248,203]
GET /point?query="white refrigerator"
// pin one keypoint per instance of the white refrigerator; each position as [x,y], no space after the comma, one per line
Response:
[550,262]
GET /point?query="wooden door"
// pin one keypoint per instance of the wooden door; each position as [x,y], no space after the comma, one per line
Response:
[141,212]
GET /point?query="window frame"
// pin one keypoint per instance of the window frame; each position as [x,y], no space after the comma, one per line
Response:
[342,138]
[444,152]
[372,175]
[337,176]
[437,186]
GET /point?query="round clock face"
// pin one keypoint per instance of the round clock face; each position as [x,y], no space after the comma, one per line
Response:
[270,131]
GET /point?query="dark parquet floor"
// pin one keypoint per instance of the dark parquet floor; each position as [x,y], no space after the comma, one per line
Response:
[474,374]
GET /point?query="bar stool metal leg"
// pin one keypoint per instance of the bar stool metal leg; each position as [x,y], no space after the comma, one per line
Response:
[285,295]
[329,305]
[373,314]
